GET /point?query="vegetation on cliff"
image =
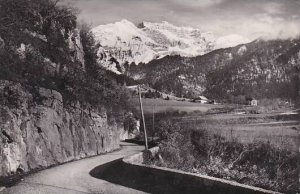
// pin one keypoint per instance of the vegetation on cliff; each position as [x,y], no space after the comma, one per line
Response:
[42,45]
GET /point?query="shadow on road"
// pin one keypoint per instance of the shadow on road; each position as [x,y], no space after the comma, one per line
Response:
[158,181]
[119,173]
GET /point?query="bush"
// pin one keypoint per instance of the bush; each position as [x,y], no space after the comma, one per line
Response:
[273,104]
[258,164]
[176,146]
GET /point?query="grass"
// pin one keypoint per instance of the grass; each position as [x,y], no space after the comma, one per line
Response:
[254,149]
[168,106]
[226,121]
[247,129]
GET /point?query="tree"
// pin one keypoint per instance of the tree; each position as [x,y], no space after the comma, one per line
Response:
[36,36]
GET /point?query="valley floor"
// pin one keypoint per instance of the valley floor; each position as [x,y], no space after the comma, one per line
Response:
[169,106]
[279,128]
[258,149]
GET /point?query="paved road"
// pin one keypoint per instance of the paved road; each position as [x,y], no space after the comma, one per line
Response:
[74,177]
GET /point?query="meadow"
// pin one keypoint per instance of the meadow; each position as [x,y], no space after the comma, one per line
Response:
[168,106]
[230,121]
[234,142]
[280,132]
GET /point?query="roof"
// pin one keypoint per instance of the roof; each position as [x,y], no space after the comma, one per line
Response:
[201,98]
[132,87]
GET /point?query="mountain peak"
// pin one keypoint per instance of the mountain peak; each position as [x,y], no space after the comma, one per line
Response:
[141,25]
[230,41]
[146,41]
[125,21]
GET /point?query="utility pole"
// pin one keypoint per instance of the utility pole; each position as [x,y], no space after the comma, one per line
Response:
[153,120]
[143,118]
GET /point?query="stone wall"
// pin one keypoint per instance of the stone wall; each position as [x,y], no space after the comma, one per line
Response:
[38,131]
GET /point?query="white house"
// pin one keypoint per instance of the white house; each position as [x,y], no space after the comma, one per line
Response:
[201,99]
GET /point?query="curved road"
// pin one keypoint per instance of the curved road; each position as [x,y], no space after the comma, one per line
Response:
[74,177]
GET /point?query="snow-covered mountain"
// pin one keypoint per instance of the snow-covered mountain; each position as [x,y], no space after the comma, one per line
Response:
[123,42]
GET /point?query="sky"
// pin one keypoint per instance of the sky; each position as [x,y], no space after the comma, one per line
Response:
[251,19]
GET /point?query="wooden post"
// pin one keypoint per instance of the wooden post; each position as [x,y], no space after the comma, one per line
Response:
[153,120]
[143,118]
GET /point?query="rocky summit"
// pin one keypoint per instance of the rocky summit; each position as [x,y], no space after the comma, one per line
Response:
[124,42]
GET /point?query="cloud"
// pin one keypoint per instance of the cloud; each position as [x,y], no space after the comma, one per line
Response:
[275,27]
[195,3]
[249,18]
[268,27]
[273,8]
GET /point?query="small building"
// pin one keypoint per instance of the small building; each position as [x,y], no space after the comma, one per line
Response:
[251,101]
[201,99]
[133,88]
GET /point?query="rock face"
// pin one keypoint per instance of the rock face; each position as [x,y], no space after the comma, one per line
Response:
[1,43]
[37,130]
[76,48]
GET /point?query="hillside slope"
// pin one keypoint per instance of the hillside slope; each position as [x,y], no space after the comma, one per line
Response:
[260,69]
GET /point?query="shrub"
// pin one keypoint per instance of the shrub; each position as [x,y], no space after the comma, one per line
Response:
[176,146]
[258,163]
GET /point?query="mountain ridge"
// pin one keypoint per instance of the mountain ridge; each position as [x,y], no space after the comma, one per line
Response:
[124,42]
[259,69]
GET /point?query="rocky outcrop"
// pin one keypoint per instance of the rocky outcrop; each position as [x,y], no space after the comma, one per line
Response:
[1,43]
[76,48]
[37,130]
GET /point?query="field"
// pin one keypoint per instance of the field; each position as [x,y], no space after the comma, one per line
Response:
[280,127]
[280,130]
[252,145]
[160,105]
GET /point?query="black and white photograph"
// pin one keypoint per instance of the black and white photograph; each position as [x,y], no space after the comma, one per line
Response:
[149,96]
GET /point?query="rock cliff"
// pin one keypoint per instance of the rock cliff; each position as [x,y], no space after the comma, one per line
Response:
[124,42]
[37,130]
